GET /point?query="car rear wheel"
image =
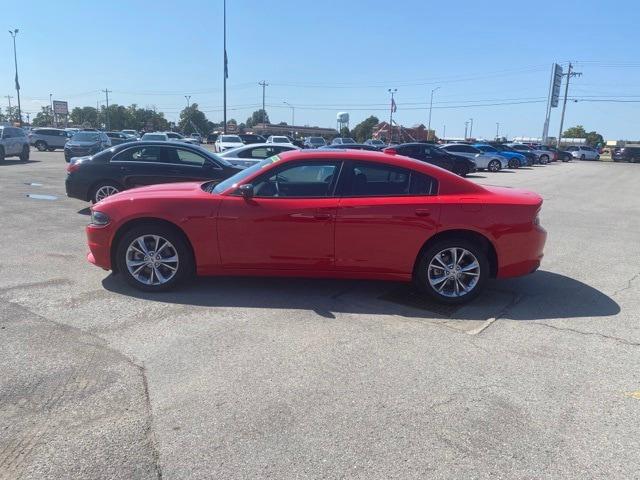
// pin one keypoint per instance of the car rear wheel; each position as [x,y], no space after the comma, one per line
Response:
[24,155]
[104,190]
[41,146]
[514,163]
[582,157]
[494,165]
[452,271]
[154,258]
[544,159]
[462,171]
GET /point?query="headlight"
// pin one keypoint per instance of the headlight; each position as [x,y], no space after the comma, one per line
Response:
[99,218]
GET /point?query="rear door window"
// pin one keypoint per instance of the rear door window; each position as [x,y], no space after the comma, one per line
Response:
[376,180]
[149,154]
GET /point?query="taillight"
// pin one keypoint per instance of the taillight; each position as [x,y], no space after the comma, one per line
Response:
[73,167]
[390,151]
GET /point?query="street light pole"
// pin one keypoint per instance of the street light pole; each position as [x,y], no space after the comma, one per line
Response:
[497,130]
[15,60]
[293,115]
[226,70]
[471,128]
[430,108]
[466,127]
[188,97]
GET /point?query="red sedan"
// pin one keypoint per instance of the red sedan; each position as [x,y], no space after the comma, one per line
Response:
[342,214]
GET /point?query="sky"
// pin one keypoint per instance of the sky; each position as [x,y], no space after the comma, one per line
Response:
[490,61]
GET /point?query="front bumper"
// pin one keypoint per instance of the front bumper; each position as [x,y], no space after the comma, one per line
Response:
[99,241]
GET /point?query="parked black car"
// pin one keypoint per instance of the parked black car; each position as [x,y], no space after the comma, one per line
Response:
[117,137]
[431,153]
[248,138]
[626,154]
[136,164]
[350,146]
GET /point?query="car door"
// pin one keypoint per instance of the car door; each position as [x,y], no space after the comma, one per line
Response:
[289,222]
[186,165]
[139,166]
[385,215]
[8,141]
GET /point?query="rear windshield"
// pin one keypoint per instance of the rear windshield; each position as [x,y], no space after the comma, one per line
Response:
[86,137]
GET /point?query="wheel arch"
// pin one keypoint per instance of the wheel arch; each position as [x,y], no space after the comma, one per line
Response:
[137,222]
[470,235]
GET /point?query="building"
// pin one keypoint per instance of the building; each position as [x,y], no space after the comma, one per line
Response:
[398,133]
[293,130]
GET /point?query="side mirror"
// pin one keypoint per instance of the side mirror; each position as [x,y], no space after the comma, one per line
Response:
[246,190]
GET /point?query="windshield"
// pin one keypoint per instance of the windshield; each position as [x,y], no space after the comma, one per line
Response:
[230,139]
[154,136]
[86,137]
[486,148]
[174,135]
[242,174]
[319,141]
[279,140]
[348,140]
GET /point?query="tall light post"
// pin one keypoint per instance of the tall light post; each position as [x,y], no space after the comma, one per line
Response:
[497,130]
[471,128]
[430,108]
[466,128]
[51,109]
[293,112]
[392,109]
[444,131]
[188,97]
[226,69]
[13,34]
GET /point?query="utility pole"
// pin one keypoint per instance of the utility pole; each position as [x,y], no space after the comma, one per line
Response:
[293,112]
[466,127]
[107,92]
[263,84]
[570,73]
[393,107]
[430,108]
[188,97]
[444,131]
[53,118]
[471,128]
[497,130]
[9,97]
[15,59]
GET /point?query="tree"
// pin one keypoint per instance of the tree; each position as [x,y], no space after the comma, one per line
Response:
[44,118]
[593,138]
[364,129]
[193,120]
[84,117]
[259,116]
[344,132]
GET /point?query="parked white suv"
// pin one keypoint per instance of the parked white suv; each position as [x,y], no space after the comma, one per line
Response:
[226,142]
[14,143]
[583,153]
[48,138]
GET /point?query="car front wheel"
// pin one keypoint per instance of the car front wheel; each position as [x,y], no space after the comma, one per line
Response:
[544,159]
[41,146]
[494,165]
[154,258]
[24,155]
[452,271]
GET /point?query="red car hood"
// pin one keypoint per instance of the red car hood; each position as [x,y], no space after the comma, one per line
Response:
[514,195]
[167,190]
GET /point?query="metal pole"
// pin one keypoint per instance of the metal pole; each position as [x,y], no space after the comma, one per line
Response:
[430,108]
[497,130]
[224,29]
[444,131]
[188,116]
[263,84]
[545,129]
[466,126]
[107,92]
[51,107]
[15,60]
[471,128]
[391,115]
[564,103]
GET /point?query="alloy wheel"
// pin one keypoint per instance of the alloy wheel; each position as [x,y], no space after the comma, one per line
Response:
[152,260]
[453,272]
[105,191]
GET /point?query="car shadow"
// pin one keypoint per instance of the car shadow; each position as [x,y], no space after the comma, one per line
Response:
[505,171]
[11,161]
[541,295]
[473,175]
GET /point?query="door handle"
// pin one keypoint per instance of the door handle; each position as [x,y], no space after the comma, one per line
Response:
[423,212]
[322,216]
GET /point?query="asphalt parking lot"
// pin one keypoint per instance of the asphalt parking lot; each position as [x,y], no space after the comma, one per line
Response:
[285,378]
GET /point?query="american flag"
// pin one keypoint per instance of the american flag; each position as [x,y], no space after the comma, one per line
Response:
[394,108]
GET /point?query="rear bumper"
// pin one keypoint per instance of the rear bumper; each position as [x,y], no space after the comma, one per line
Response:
[522,255]
[74,189]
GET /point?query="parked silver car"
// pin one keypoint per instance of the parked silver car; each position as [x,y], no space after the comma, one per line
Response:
[248,155]
[48,138]
[542,156]
[13,143]
[483,161]
[583,153]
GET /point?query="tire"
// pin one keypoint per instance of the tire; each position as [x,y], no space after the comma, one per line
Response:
[24,155]
[51,149]
[494,165]
[544,159]
[103,190]
[462,171]
[41,146]
[1,154]
[582,157]
[165,268]
[514,163]
[432,265]
[597,157]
